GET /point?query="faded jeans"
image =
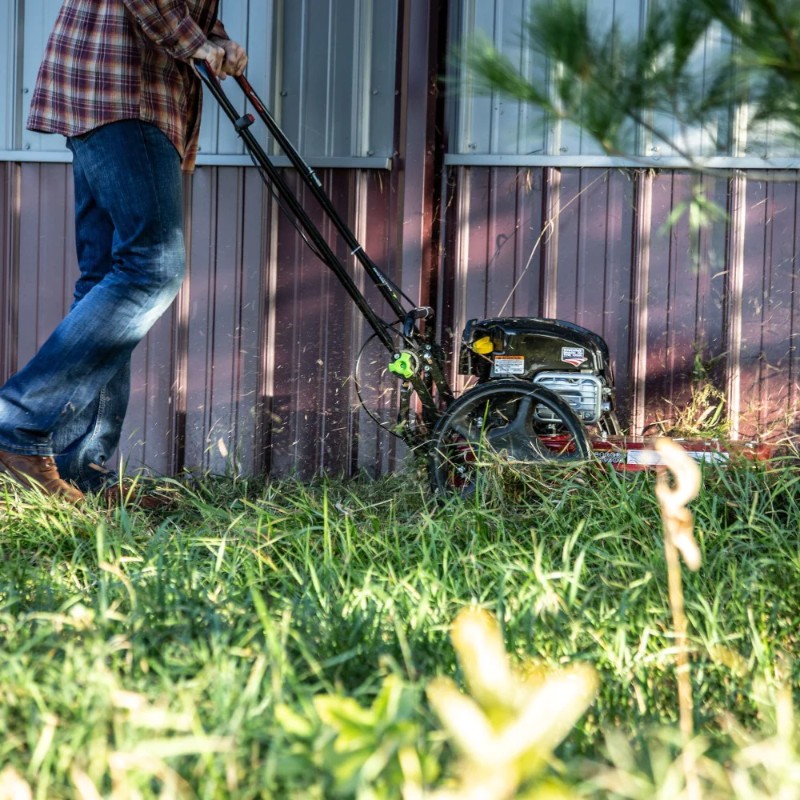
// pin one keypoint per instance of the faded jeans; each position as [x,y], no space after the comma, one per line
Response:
[70,399]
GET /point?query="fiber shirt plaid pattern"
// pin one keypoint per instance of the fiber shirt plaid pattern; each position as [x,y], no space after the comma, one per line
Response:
[110,60]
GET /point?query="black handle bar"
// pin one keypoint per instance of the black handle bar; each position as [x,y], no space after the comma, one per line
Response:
[408,316]
[242,123]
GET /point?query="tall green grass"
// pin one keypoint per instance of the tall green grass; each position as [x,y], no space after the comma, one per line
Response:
[179,653]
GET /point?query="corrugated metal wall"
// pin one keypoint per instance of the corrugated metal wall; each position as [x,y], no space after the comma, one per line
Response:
[252,367]
[326,69]
[542,222]
[250,370]
[498,125]
[592,246]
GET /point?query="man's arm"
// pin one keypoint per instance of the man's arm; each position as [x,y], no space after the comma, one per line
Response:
[168,24]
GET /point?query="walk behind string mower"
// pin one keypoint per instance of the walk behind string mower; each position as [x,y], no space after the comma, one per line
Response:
[543,395]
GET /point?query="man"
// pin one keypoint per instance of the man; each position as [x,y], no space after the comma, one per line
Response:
[117,80]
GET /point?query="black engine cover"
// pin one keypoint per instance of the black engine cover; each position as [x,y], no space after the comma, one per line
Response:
[521,347]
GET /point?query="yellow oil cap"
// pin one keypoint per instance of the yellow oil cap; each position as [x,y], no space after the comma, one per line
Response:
[484,345]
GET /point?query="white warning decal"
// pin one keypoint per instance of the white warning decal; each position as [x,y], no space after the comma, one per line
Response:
[509,365]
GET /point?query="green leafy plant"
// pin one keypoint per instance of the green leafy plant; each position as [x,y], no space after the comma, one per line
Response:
[369,753]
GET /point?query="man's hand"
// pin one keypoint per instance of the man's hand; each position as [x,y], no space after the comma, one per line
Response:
[214,56]
[235,57]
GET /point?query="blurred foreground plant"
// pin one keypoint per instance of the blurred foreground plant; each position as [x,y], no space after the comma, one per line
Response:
[760,764]
[508,726]
[367,753]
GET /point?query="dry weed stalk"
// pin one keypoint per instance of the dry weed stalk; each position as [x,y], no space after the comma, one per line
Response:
[673,494]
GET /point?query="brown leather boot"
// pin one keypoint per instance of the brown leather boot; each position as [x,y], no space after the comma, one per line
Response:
[38,472]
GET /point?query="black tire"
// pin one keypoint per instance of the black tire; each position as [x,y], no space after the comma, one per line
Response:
[498,427]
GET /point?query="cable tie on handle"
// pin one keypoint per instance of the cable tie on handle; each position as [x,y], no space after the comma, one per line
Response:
[353,252]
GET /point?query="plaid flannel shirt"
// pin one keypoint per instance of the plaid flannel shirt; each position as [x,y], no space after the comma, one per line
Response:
[109,60]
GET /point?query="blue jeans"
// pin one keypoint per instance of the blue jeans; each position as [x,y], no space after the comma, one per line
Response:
[70,400]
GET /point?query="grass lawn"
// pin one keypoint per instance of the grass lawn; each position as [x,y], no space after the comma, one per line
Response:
[277,639]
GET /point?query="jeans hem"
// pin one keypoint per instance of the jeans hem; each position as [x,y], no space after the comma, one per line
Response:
[33,450]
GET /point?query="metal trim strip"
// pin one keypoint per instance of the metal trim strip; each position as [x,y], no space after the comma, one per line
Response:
[333,162]
[720,162]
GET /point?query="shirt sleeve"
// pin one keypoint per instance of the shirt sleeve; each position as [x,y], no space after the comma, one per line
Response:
[219,33]
[168,24]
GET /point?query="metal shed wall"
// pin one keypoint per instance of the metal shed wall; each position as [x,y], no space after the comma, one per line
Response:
[490,123]
[326,70]
[251,369]
[591,246]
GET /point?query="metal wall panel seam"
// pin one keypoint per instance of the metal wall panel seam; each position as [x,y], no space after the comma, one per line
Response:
[182,311]
[9,302]
[325,332]
[278,43]
[444,258]
[362,78]
[552,205]
[641,287]
[632,162]
[357,329]
[10,96]
[794,359]
[415,135]
[465,105]
[733,316]
[454,160]
[460,270]
[219,160]
[331,77]
[269,265]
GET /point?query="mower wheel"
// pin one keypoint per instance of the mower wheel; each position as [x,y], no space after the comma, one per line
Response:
[503,431]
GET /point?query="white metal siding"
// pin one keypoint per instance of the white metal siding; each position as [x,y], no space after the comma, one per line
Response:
[327,66]
[335,89]
[38,17]
[507,132]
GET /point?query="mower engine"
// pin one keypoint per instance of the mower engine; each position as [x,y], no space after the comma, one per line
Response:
[568,359]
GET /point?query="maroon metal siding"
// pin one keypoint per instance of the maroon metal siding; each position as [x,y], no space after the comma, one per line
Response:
[769,307]
[9,216]
[251,369]
[220,369]
[593,246]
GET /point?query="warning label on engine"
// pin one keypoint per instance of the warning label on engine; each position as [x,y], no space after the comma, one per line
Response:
[509,365]
[573,355]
